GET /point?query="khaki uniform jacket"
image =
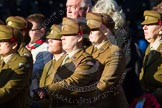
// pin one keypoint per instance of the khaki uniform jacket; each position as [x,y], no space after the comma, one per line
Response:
[111,78]
[72,79]
[151,73]
[23,51]
[14,83]
[49,71]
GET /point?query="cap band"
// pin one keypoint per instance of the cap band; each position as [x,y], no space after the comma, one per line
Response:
[160,22]
[12,40]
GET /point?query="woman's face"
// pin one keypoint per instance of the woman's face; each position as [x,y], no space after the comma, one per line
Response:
[70,43]
[5,48]
[55,46]
[96,37]
[151,32]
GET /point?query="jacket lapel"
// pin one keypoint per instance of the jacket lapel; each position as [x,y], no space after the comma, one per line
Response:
[57,65]
[12,60]
[154,56]
[102,49]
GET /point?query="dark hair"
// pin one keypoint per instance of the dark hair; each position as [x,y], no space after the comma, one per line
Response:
[38,18]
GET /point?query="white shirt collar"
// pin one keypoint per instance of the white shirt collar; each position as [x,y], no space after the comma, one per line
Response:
[100,45]
[155,45]
[73,52]
[7,58]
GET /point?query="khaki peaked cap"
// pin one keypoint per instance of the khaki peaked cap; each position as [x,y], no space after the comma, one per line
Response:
[94,20]
[151,17]
[17,22]
[74,27]
[7,33]
[55,32]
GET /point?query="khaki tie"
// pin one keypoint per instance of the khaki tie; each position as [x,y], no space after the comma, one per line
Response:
[2,63]
[94,49]
[66,60]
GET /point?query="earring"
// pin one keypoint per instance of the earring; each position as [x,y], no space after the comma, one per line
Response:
[106,34]
[160,32]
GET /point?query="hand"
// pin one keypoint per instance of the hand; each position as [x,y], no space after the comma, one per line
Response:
[41,93]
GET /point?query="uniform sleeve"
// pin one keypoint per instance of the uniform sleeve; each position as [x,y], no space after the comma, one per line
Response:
[45,73]
[18,78]
[83,74]
[113,69]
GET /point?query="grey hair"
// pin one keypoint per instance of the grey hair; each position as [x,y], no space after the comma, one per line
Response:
[110,7]
[84,3]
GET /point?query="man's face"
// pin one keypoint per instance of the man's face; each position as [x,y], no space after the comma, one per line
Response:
[73,8]
[36,32]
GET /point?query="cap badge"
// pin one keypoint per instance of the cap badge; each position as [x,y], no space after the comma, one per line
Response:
[9,23]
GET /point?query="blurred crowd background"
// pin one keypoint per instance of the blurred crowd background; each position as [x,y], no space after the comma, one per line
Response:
[55,10]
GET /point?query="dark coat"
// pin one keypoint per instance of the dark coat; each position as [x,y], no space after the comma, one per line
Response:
[151,74]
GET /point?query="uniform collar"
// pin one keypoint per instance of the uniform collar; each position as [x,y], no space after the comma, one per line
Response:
[100,45]
[73,53]
[60,55]
[155,45]
[7,58]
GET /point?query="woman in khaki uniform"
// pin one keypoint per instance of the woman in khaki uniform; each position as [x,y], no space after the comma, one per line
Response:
[77,71]
[22,25]
[150,76]
[50,69]
[109,89]
[14,75]
[55,47]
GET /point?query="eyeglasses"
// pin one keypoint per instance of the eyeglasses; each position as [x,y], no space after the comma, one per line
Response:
[37,29]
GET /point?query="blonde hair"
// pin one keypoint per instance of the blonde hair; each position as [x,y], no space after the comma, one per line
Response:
[158,8]
[111,8]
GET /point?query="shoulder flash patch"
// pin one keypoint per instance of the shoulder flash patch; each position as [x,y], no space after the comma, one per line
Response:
[90,63]
[27,54]
[24,65]
[21,65]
